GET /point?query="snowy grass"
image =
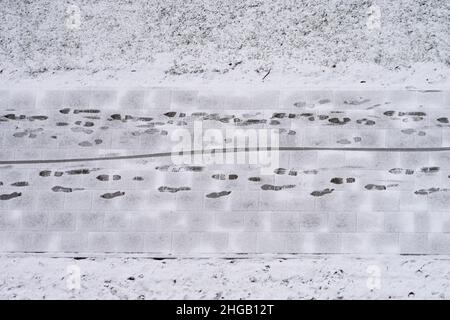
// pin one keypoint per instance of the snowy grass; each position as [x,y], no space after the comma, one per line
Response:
[160,41]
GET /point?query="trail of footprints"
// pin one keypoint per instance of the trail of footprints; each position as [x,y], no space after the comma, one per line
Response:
[86,122]
[293,173]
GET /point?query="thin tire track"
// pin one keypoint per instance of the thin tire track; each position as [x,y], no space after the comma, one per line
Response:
[221,150]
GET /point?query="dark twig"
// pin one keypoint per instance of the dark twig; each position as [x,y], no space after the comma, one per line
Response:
[268,72]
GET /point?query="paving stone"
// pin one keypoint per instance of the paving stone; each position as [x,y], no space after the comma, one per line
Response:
[158,99]
[116,221]
[370,222]
[4,99]
[399,222]
[370,243]
[30,241]
[342,222]
[184,99]
[130,242]
[73,242]
[132,100]
[199,242]
[158,242]
[313,222]
[272,242]
[50,100]
[179,222]
[102,242]
[285,222]
[242,242]
[21,100]
[257,222]
[10,220]
[439,243]
[77,98]
[359,99]
[414,243]
[103,99]
[62,221]
[90,220]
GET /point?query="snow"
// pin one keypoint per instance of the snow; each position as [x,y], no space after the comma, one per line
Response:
[297,277]
[222,43]
[209,43]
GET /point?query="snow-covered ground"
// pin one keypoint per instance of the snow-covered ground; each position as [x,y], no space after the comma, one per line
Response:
[220,43]
[273,44]
[302,277]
